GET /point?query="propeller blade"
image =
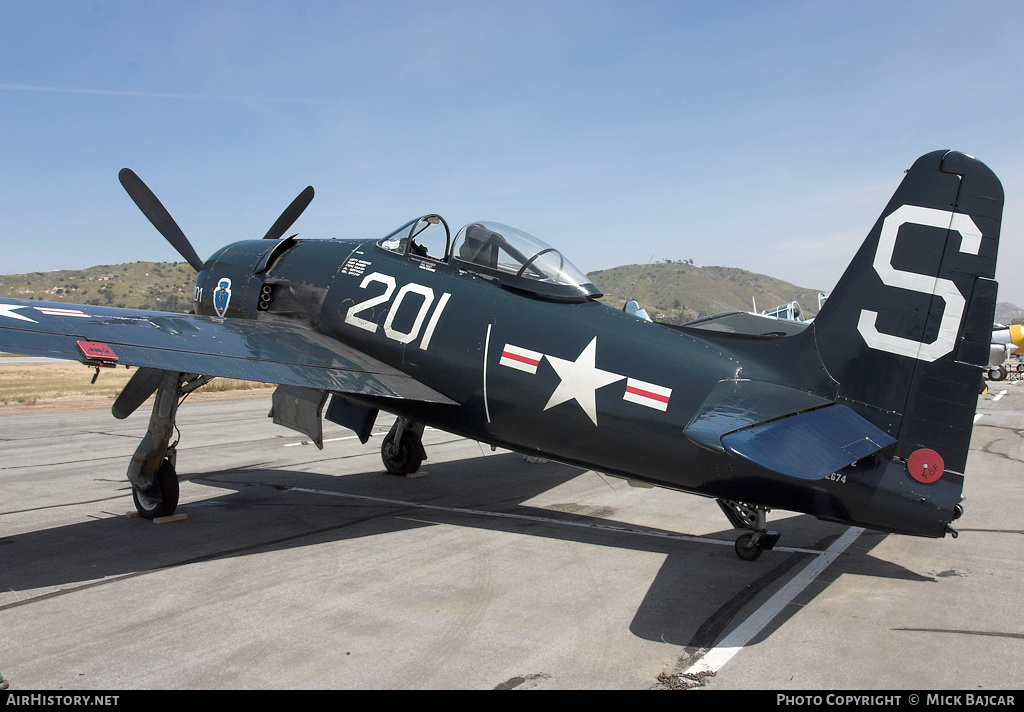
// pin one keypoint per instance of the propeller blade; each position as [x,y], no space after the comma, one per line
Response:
[140,386]
[290,214]
[153,209]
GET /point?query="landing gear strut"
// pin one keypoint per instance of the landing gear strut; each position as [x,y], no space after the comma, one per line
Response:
[151,471]
[751,545]
[402,450]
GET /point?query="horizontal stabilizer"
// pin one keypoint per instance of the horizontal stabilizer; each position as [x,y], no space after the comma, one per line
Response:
[784,430]
[736,404]
[811,445]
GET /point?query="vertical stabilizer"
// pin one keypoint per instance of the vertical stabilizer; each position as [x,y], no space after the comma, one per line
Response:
[907,330]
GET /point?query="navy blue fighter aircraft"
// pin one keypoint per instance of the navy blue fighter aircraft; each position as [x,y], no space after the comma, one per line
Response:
[863,416]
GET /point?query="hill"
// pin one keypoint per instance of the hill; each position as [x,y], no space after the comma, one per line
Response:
[162,286]
[677,291]
[672,291]
[1007,313]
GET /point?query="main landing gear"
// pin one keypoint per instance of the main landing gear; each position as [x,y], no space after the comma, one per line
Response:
[163,500]
[751,545]
[151,472]
[402,450]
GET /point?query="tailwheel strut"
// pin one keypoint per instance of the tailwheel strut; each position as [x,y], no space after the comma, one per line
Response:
[741,515]
[151,471]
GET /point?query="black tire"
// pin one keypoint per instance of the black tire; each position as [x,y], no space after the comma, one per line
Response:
[167,483]
[746,549]
[402,458]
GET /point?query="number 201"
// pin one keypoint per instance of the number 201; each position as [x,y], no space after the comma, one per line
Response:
[389,329]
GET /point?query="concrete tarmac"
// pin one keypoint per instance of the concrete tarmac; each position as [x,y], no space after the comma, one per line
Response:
[302,568]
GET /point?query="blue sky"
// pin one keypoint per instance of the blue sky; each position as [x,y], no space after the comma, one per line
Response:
[762,135]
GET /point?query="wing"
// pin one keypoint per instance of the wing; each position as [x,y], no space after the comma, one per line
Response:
[267,351]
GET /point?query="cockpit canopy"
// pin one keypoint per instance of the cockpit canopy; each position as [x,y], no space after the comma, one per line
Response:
[511,256]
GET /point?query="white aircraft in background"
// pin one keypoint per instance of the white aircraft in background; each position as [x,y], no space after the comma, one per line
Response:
[1006,340]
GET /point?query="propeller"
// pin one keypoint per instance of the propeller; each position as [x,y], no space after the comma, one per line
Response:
[290,214]
[153,209]
[157,214]
[140,386]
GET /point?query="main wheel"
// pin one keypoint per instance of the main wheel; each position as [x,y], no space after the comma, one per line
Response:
[167,483]
[746,548]
[402,458]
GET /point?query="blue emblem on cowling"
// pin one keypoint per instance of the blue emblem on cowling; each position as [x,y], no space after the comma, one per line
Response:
[222,296]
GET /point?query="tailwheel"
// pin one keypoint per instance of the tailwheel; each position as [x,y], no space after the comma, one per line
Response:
[746,548]
[751,545]
[165,501]
[402,449]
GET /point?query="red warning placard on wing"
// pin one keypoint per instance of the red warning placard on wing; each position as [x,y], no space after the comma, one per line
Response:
[96,351]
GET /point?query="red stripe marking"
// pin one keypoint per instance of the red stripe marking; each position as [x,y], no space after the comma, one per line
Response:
[517,357]
[646,394]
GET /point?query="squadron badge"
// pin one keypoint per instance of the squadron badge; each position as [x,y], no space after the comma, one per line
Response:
[222,296]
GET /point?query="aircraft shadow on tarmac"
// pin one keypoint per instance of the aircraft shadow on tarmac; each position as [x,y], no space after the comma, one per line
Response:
[694,600]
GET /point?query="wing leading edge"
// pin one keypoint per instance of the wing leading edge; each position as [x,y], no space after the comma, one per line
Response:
[266,351]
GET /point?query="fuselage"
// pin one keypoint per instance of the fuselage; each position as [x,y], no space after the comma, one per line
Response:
[574,381]
[578,382]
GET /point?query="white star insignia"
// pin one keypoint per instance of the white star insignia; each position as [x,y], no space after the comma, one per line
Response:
[5,310]
[580,380]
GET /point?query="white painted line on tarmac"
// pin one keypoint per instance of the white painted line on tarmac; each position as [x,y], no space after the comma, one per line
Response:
[745,632]
[328,440]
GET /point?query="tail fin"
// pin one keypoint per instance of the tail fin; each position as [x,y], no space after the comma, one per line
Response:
[908,328]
